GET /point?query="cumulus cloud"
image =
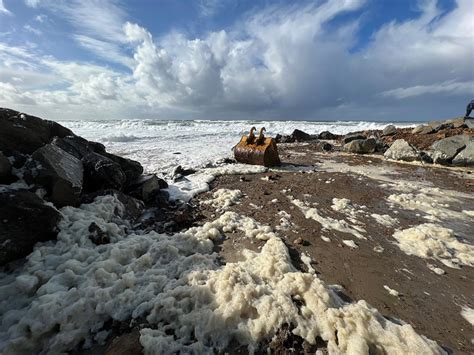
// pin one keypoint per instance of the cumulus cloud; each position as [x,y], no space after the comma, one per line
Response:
[285,61]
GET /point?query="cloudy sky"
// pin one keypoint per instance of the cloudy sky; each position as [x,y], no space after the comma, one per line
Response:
[221,59]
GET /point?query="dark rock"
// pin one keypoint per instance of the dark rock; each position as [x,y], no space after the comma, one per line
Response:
[439,125]
[326,147]
[300,136]
[401,150]
[426,157]
[25,133]
[25,220]
[59,172]
[466,156]
[97,235]
[390,130]
[352,136]
[102,173]
[145,187]
[5,169]
[78,146]
[361,146]
[446,149]
[179,171]
[131,168]
[133,207]
[327,135]
[18,159]
[287,139]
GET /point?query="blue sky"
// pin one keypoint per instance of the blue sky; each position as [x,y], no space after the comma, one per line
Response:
[323,60]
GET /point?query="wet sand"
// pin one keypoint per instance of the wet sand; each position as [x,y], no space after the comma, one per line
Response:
[431,303]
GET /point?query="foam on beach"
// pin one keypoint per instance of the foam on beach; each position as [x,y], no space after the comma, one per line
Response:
[68,289]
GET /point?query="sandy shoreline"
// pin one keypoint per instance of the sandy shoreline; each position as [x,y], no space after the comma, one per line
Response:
[430,302]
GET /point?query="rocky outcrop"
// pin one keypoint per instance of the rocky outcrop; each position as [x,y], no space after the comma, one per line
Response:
[25,133]
[5,168]
[59,172]
[466,156]
[326,135]
[361,146]
[446,149]
[401,150]
[25,220]
[300,136]
[102,173]
[390,130]
[352,136]
[422,129]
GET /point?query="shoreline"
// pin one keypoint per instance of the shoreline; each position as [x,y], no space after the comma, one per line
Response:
[325,218]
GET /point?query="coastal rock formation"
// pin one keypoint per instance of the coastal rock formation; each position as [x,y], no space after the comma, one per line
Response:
[25,220]
[25,133]
[102,173]
[326,135]
[465,156]
[390,130]
[300,136]
[146,186]
[361,146]
[352,136]
[446,149]
[422,129]
[5,168]
[401,150]
[59,172]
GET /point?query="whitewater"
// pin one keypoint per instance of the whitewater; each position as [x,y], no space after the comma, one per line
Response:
[161,145]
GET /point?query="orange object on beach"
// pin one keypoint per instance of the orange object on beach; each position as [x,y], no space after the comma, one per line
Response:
[257,150]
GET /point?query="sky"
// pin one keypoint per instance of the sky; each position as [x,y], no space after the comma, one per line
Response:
[395,60]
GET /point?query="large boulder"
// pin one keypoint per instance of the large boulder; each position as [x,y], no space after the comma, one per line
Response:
[469,122]
[390,130]
[352,136]
[59,172]
[301,136]
[466,156]
[131,168]
[361,146]
[25,220]
[101,173]
[25,133]
[78,146]
[446,149]
[5,168]
[326,135]
[401,150]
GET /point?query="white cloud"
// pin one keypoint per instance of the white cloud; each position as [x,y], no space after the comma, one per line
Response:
[3,9]
[285,61]
[33,30]
[32,3]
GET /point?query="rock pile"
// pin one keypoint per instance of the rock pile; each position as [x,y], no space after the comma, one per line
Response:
[45,166]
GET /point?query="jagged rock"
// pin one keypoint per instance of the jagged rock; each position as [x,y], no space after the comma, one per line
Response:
[25,133]
[457,122]
[5,168]
[327,135]
[446,149]
[301,136]
[97,235]
[469,122]
[78,146]
[426,157]
[133,208]
[361,146]
[17,159]
[25,220]
[352,136]
[401,150]
[179,171]
[439,125]
[286,139]
[102,173]
[131,168]
[59,172]
[466,156]
[390,130]
[422,129]
[146,186]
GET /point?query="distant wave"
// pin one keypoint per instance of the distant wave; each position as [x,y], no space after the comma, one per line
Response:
[121,138]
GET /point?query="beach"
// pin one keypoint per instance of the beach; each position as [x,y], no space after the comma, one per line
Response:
[339,249]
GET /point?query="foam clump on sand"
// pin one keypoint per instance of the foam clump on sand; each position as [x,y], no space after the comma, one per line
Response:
[68,289]
[391,291]
[384,219]
[468,314]
[328,222]
[224,198]
[431,241]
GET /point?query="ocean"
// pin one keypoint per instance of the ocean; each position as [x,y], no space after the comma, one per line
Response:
[161,145]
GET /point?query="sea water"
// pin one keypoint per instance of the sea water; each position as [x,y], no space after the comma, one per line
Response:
[161,145]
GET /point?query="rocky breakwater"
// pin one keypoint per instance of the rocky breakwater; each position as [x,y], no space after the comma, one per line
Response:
[45,166]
